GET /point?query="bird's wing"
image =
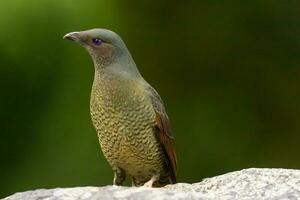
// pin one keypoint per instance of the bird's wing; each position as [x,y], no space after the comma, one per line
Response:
[163,131]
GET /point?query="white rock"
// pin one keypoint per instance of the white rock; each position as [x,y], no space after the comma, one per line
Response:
[269,184]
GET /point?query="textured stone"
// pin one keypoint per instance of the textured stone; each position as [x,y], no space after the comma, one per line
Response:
[269,184]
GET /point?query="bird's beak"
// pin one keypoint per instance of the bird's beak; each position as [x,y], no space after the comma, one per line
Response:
[74,36]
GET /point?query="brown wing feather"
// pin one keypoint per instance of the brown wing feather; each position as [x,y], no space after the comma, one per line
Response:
[164,134]
[167,142]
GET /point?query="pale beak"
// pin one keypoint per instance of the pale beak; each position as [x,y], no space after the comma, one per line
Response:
[73,36]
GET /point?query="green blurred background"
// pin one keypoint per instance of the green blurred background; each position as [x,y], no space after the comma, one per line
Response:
[228,71]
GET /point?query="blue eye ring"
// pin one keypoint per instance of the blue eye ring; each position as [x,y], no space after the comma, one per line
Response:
[97,41]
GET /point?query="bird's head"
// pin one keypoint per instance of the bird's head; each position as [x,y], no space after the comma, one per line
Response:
[105,47]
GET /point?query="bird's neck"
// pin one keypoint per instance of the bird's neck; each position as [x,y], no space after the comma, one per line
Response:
[121,67]
[112,83]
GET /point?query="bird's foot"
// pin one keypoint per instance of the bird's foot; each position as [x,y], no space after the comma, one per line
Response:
[119,177]
[151,181]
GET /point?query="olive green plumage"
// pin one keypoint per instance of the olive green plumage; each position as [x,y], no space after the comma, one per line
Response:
[128,114]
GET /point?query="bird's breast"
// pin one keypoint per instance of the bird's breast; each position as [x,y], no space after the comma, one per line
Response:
[124,119]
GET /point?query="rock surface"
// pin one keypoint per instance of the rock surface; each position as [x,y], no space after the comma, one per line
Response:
[270,184]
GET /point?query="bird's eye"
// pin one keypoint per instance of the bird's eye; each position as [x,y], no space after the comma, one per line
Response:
[97,41]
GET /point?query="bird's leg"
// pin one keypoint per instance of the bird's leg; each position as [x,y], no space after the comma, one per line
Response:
[133,182]
[154,178]
[119,176]
[136,183]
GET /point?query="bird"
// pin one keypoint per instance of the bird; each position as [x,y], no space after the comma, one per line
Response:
[128,114]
